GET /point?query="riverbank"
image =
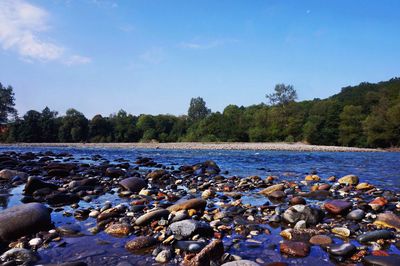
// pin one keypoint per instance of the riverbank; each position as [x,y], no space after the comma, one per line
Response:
[267,146]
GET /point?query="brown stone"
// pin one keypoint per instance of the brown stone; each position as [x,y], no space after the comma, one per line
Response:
[197,204]
[321,240]
[388,219]
[295,249]
[118,229]
[337,206]
[312,178]
[140,242]
[267,191]
[297,200]
[378,203]
[349,180]
[212,252]
[277,195]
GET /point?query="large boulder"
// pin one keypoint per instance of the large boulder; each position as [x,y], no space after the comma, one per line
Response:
[22,220]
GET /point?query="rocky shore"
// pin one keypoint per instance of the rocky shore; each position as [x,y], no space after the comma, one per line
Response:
[189,215]
[268,146]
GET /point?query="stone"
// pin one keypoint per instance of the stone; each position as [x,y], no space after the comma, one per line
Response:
[393,260]
[341,231]
[118,229]
[133,184]
[7,174]
[364,186]
[389,220]
[58,172]
[356,215]
[152,216]
[320,240]
[196,204]
[311,216]
[277,195]
[114,172]
[312,178]
[241,263]
[21,255]
[300,225]
[23,219]
[140,242]
[343,250]
[297,200]
[349,180]
[294,249]
[267,191]
[191,246]
[374,236]
[317,195]
[187,228]
[156,174]
[337,206]
[164,256]
[212,252]
[378,203]
[69,229]
[35,242]
[35,183]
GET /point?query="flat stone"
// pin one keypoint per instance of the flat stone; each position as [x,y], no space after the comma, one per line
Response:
[337,206]
[320,240]
[393,260]
[133,184]
[20,254]
[35,183]
[23,219]
[118,229]
[197,204]
[7,174]
[364,186]
[152,216]
[140,242]
[388,219]
[341,231]
[295,249]
[374,236]
[378,203]
[349,180]
[267,191]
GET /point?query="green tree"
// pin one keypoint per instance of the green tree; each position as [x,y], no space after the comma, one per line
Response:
[283,95]
[30,130]
[100,129]
[7,103]
[350,128]
[124,126]
[198,109]
[74,127]
[49,125]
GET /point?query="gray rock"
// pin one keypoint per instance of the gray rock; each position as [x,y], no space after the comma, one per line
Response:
[34,183]
[374,236]
[186,228]
[356,215]
[152,216]
[310,215]
[140,243]
[7,174]
[164,256]
[23,219]
[20,255]
[191,246]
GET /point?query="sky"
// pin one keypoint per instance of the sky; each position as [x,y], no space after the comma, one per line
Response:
[152,57]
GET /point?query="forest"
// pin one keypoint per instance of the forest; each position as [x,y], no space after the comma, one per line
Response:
[366,115]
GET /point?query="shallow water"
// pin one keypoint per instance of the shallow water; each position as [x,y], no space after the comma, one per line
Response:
[381,169]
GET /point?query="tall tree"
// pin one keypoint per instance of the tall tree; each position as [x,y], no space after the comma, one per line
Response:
[198,109]
[7,103]
[350,128]
[74,127]
[283,95]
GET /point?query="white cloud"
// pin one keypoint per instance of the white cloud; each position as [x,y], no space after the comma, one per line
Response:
[77,60]
[21,29]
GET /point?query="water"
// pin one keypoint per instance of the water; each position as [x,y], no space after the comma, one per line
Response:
[380,169]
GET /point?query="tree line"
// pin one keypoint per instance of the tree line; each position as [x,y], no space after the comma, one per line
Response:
[366,115]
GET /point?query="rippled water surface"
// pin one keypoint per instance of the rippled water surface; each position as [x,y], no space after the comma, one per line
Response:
[379,168]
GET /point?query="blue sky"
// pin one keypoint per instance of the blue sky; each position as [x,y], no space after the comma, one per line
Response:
[153,56]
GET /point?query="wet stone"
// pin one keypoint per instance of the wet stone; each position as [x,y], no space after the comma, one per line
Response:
[393,260]
[152,216]
[140,242]
[343,250]
[389,220]
[241,263]
[349,180]
[133,184]
[374,236]
[186,228]
[303,212]
[320,240]
[356,215]
[337,206]
[196,204]
[295,249]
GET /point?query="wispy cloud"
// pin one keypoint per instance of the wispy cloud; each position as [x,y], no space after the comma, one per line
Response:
[77,60]
[21,29]
[204,45]
[154,55]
